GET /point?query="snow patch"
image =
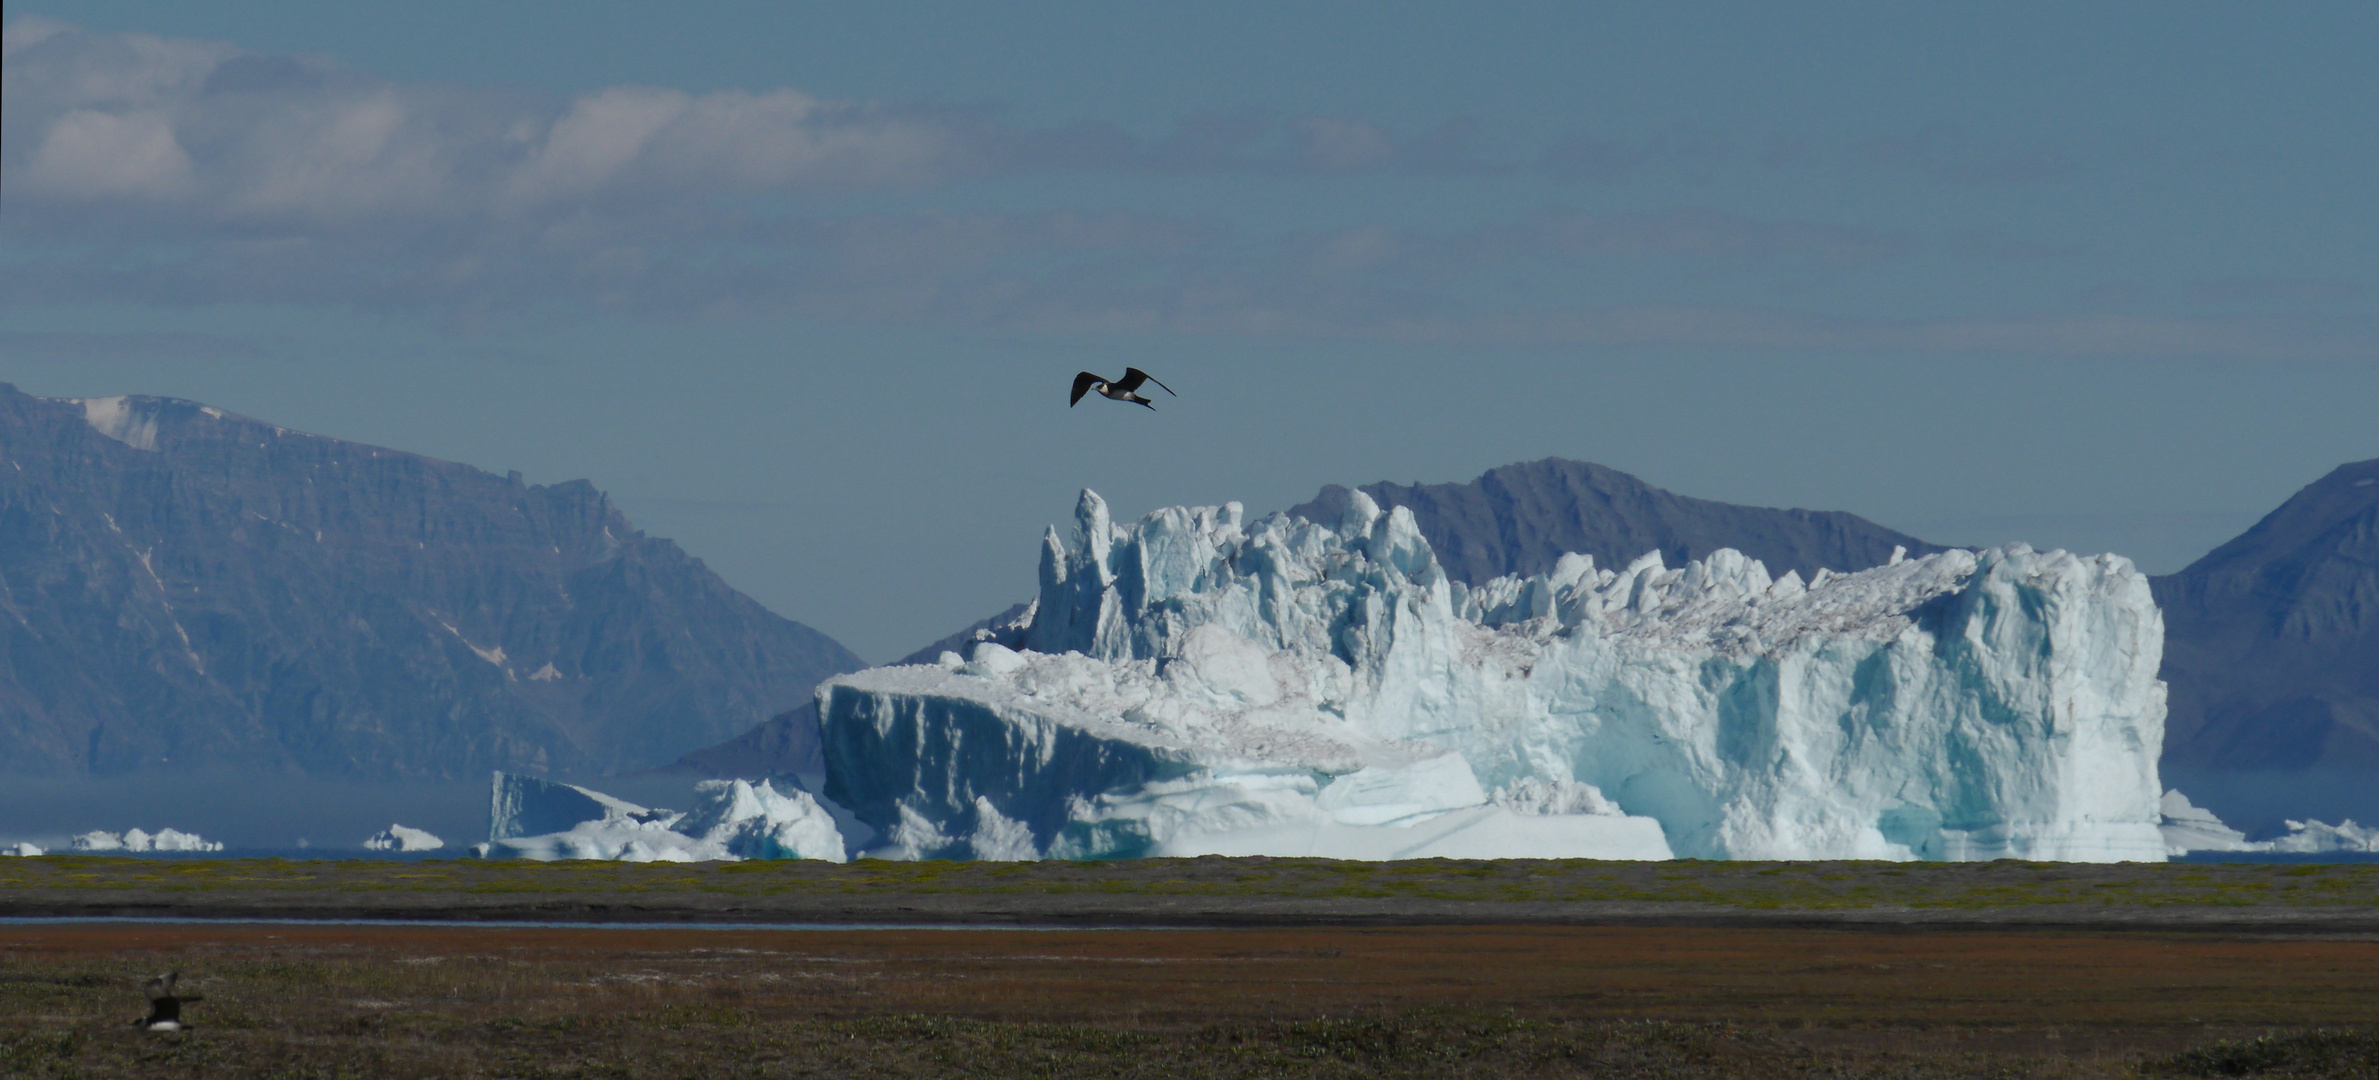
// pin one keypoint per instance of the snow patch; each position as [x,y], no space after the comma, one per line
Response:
[121,419]
[494,656]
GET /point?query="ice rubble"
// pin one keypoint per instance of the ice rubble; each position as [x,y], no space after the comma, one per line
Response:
[531,818]
[2320,838]
[400,838]
[2190,828]
[139,840]
[1197,683]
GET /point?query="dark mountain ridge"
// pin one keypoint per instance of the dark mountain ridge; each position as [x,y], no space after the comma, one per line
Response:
[182,588]
[1519,519]
[2272,649]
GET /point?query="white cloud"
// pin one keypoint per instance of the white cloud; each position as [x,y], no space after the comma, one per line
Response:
[88,155]
[150,170]
[592,143]
[246,140]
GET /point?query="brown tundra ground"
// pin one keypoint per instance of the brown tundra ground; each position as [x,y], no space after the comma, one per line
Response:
[1677,1000]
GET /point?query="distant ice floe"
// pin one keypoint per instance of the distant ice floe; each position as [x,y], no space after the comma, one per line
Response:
[731,820]
[136,840]
[2189,828]
[400,838]
[2317,838]
[27,850]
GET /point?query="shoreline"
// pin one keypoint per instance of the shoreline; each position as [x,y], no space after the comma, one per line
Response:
[1219,893]
[1060,912]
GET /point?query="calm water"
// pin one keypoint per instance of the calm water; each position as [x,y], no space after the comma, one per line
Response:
[530,924]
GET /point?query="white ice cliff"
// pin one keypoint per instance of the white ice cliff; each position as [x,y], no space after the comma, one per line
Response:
[1195,683]
[732,819]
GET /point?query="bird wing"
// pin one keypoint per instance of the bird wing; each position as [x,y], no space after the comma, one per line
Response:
[1133,377]
[1082,385]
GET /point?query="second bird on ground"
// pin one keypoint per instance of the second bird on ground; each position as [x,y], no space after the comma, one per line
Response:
[1122,389]
[165,1007]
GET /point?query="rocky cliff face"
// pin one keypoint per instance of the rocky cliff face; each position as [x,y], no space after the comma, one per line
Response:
[1520,519]
[2273,648]
[182,588]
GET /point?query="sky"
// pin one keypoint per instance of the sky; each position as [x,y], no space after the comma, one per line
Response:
[803,286]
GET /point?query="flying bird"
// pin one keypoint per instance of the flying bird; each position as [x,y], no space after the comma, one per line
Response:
[165,1009]
[1120,390]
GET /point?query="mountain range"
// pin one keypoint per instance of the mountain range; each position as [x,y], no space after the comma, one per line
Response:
[185,589]
[1519,519]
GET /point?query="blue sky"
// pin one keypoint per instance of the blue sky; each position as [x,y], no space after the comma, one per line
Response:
[804,286]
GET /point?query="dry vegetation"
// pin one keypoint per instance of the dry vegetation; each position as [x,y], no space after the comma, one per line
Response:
[906,891]
[406,1001]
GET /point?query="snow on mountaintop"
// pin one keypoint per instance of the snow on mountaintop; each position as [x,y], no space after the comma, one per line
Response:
[179,543]
[118,418]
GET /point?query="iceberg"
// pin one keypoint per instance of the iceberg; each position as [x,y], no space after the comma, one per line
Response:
[1196,683]
[400,838]
[2188,827]
[731,820]
[528,806]
[22,848]
[136,840]
[2322,838]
